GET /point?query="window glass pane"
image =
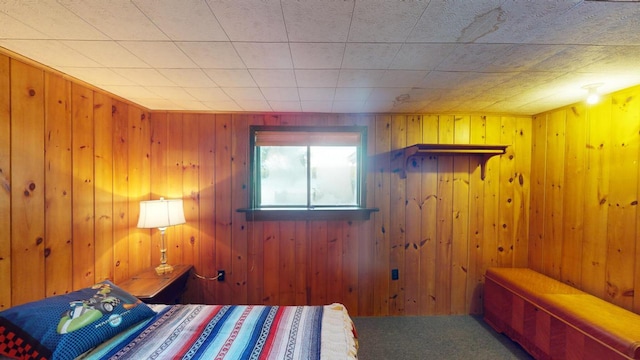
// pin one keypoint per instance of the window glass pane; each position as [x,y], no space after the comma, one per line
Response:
[334,175]
[283,176]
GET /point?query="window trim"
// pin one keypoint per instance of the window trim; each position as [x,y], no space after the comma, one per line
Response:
[359,212]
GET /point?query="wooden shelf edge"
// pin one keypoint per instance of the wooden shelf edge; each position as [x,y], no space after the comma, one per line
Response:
[484,150]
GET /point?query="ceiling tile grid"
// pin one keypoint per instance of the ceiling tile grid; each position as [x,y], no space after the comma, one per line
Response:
[386,56]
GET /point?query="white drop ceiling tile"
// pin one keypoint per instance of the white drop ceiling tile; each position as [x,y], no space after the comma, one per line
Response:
[387,94]
[97,76]
[193,105]
[119,20]
[572,58]
[421,56]
[273,78]
[316,94]
[317,78]
[246,20]
[280,94]
[369,56]
[187,77]
[453,21]
[317,55]
[286,106]
[171,92]
[222,105]
[212,55]
[352,94]
[145,77]
[131,92]
[443,79]
[159,54]
[231,78]
[51,52]
[157,104]
[15,29]
[523,57]
[171,16]
[400,78]
[525,21]
[254,105]
[206,94]
[348,107]
[265,55]
[317,21]
[359,78]
[616,59]
[384,21]
[316,106]
[244,94]
[107,53]
[50,18]
[473,57]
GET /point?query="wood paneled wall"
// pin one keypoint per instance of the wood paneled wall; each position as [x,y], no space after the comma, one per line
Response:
[74,164]
[584,197]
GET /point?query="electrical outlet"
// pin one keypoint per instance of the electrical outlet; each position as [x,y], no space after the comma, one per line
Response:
[220,275]
[395,274]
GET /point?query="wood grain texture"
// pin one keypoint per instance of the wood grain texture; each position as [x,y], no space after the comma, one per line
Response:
[58,165]
[571,176]
[5,181]
[27,183]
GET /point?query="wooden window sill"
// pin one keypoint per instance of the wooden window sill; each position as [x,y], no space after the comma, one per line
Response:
[294,214]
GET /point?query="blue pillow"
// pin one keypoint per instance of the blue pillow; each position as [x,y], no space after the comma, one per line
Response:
[65,326]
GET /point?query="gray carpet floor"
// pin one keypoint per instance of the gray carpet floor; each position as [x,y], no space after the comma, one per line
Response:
[432,337]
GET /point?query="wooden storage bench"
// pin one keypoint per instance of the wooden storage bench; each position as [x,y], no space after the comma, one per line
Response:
[552,320]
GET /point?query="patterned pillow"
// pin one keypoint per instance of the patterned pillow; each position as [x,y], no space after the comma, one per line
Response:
[65,326]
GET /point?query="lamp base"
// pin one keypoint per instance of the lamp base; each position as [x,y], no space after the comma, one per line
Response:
[164,269]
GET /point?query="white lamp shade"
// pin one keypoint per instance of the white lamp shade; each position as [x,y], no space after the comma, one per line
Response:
[161,213]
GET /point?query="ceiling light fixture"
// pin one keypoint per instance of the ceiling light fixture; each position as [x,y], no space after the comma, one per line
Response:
[593,96]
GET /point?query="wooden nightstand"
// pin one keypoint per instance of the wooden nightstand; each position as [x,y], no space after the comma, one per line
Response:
[158,289]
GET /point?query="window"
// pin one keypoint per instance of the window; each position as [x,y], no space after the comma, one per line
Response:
[307,172]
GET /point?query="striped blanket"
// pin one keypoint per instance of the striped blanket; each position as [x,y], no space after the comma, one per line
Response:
[237,332]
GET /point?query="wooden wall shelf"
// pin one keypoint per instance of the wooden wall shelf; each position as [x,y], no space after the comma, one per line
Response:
[486,151]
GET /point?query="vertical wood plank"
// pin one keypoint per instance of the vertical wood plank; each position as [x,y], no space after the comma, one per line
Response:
[413,204]
[175,169]
[158,130]
[538,168]
[491,195]
[5,182]
[240,190]
[444,230]
[120,191]
[207,142]
[83,181]
[596,195]
[506,211]
[287,268]
[428,218]
[573,231]
[271,262]
[552,252]
[318,263]
[460,223]
[27,183]
[623,199]
[190,190]
[476,268]
[522,190]
[382,218]
[223,204]
[103,189]
[255,246]
[139,188]
[58,172]
[58,233]
[397,217]
[334,261]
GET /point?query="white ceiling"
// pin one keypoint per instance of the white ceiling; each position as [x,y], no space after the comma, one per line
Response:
[341,56]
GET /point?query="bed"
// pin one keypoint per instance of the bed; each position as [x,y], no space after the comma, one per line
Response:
[104,322]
